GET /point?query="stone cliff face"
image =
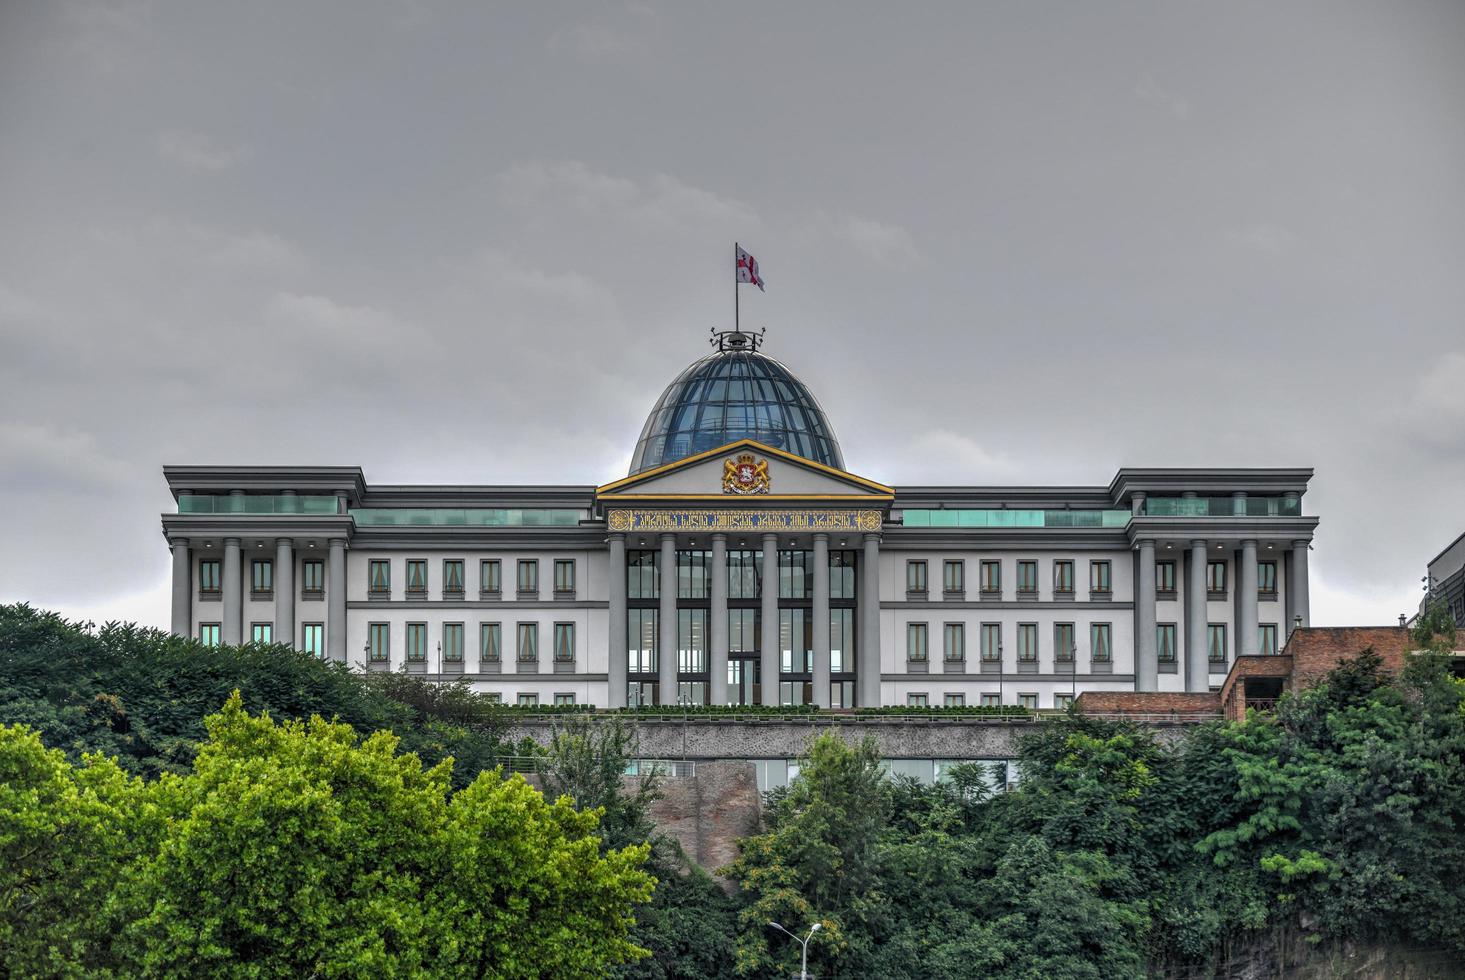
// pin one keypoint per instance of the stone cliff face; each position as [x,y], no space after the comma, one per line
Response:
[708,813]
[1285,953]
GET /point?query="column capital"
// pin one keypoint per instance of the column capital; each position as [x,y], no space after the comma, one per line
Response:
[872,538]
[338,541]
[1197,542]
[231,541]
[177,542]
[1143,543]
[1249,543]
[665,536]
[288,542]
[719,536]
[1302,544]
[770,537]
[821,536]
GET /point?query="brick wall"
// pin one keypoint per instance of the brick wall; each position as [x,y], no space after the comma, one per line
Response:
[1233,689]
[1147,703]
[1316,650]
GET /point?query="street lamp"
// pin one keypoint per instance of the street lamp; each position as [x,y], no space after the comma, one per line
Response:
[804,964]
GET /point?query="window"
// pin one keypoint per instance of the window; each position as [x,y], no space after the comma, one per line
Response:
[1063,701]
[528,642]
[1266,579]
[528,700]
[744,572]
[917,701]
[692,641]
[208,575]
[564,643]
[417,643]
[528,576]
[1099,577]
[262,575]
[313,577]
[1165,642]
[953,576]
[1266,638]
[954,647]
[1063,576]
[742,631]
[1027,642]
[991,700]
[208,633]
[261,633]
[915,576]
[490,576]
[992,577]
[694,574]
[841,575]
[490,642]
[1101,647]
[1216,578]
[954,700]
[1216,642]
[1027,578]
[564,575]
[453,576]
[494,697]
[841,640]
[642,575]
[641,640]
[452,643]
[1029,701]
[915,642]
[314,639]
[1165,578]
[378,642]
[379,577]
[564,700]
[417,576]
[795,576]
[1063,643]
[795,641]
[991,641]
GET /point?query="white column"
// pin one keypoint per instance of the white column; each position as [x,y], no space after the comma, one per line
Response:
[667,672]
[1146,645]
[717,629]
[336,601]
[232,629]
[1297,582]
[1246,614]
[1197,661]
[182,587]
[770,658]
[616,666]
[868,663]
[285,593]
[820,613]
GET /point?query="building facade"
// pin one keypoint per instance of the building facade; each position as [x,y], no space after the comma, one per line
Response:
[1444,580]
[740,562]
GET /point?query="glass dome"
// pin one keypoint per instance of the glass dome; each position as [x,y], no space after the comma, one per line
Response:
[735,393]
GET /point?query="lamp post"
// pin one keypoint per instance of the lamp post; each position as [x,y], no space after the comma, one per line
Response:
[804,963]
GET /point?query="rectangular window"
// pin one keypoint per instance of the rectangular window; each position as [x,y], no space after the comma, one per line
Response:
[1099,576]
[1101,647]
[529,576]
[452,643]
[915,642]
[379,642]
[494,697]
[490,642]
[1027,642]
[1063,701]
[528,643]
[841,640]
[744,573]
[1165,642]
[795,574]
[694,574]
[954,647]
[262,575]
[208,575]
[1216,642]
[1165,577]
[953,576]
[314,639]
[917,701]
[379,577]
[261,633]
[1027,578]
[642,575]
[1063,643]
[417,643]
[417,576]
[1216,577]
[841,575]
[452,576]
[992,577]
[692,641]
[564,643]
[991,700]
[1266,579]
[1266,638]
[954,700]
[1063,576]
[795,641]
[564,700]
[991,641]
[742,631]
[528,700]
[313,577]
[208,634]
[490,576]
[564,576]
[915,576]
[1029,701]
[641,640]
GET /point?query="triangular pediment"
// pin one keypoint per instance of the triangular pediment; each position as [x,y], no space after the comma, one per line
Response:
[758,472]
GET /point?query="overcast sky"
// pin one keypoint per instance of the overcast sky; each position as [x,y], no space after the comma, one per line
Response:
[1004,243]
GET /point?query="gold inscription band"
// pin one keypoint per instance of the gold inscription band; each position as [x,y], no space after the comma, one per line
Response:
[743,520]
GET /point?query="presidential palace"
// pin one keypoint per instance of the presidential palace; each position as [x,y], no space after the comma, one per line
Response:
[739,562]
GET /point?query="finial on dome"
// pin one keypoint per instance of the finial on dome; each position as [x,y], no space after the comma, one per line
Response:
[736,340]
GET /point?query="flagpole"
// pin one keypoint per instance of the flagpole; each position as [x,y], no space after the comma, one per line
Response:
[736,317]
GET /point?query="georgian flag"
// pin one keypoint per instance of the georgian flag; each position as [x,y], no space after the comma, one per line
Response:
[748,269]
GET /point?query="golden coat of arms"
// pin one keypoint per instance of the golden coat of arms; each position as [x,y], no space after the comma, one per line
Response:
[745,475]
